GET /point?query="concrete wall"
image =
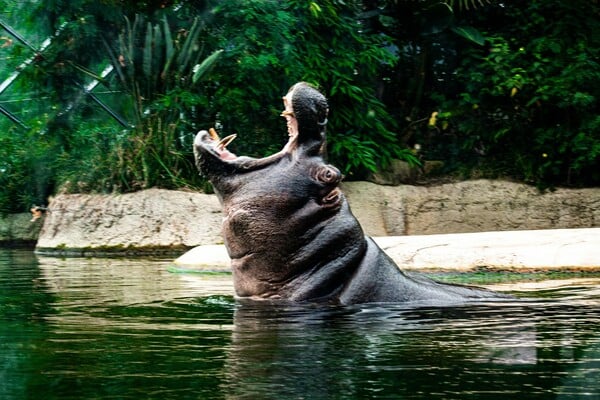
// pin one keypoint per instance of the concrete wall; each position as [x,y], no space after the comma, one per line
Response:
[160,220]
[19,230]
[470,206]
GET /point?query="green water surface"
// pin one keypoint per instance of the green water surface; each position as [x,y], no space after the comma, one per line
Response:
[134,329]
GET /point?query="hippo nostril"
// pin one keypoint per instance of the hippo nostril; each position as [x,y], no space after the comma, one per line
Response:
[328,174]
[332,197]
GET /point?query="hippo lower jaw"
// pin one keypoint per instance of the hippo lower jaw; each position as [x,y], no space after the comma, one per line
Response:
[218,146]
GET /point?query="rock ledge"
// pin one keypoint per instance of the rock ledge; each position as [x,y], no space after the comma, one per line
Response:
[157,221]
[564,249]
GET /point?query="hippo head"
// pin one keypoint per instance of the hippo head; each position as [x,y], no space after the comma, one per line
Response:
[287,225]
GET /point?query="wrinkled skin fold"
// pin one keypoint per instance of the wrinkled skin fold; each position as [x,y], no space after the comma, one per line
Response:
[288,227]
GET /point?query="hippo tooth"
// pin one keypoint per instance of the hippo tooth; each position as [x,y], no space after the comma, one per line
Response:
[213,134]
[225,141]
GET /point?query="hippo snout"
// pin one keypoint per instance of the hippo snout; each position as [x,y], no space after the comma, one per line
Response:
[327,175]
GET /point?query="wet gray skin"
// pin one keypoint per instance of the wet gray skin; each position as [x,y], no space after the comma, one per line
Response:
[289,230]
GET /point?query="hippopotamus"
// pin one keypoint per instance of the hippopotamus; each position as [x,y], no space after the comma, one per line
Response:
[289,230]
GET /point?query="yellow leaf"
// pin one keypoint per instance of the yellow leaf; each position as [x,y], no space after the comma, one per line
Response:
[315,9]
[433,118]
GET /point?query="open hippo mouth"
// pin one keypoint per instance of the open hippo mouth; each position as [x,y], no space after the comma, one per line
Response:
[213,156]
[305,112]
[217,146]
[215,161]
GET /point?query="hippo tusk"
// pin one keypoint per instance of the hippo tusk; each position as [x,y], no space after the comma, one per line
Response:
[213,134]
[225,141]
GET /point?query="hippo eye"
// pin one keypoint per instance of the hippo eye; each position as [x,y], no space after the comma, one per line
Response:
[328,174]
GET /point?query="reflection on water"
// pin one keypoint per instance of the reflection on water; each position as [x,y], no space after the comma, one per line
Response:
[530,349]
[134,329]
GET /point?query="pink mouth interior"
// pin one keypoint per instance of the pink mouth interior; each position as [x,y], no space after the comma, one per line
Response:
[225,154]
[220,148]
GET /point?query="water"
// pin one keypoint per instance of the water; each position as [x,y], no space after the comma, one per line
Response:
[133,329]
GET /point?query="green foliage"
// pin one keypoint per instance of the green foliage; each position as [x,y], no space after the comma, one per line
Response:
[79,148]
[347,63]
[253,74]
[509,89]
[469,33]
[90,166]
[159,71]
[528,108]
[26,171]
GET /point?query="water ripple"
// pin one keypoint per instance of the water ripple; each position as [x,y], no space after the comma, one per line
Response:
[130,329]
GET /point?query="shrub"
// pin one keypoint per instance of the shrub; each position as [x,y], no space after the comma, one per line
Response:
[527,101]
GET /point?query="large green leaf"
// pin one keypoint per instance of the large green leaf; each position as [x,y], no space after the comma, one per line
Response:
[147,65]
[170,50]
[469,33]
[189,46]
[201,69]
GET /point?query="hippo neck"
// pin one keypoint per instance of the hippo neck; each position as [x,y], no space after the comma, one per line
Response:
[325,282]
[316,270]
